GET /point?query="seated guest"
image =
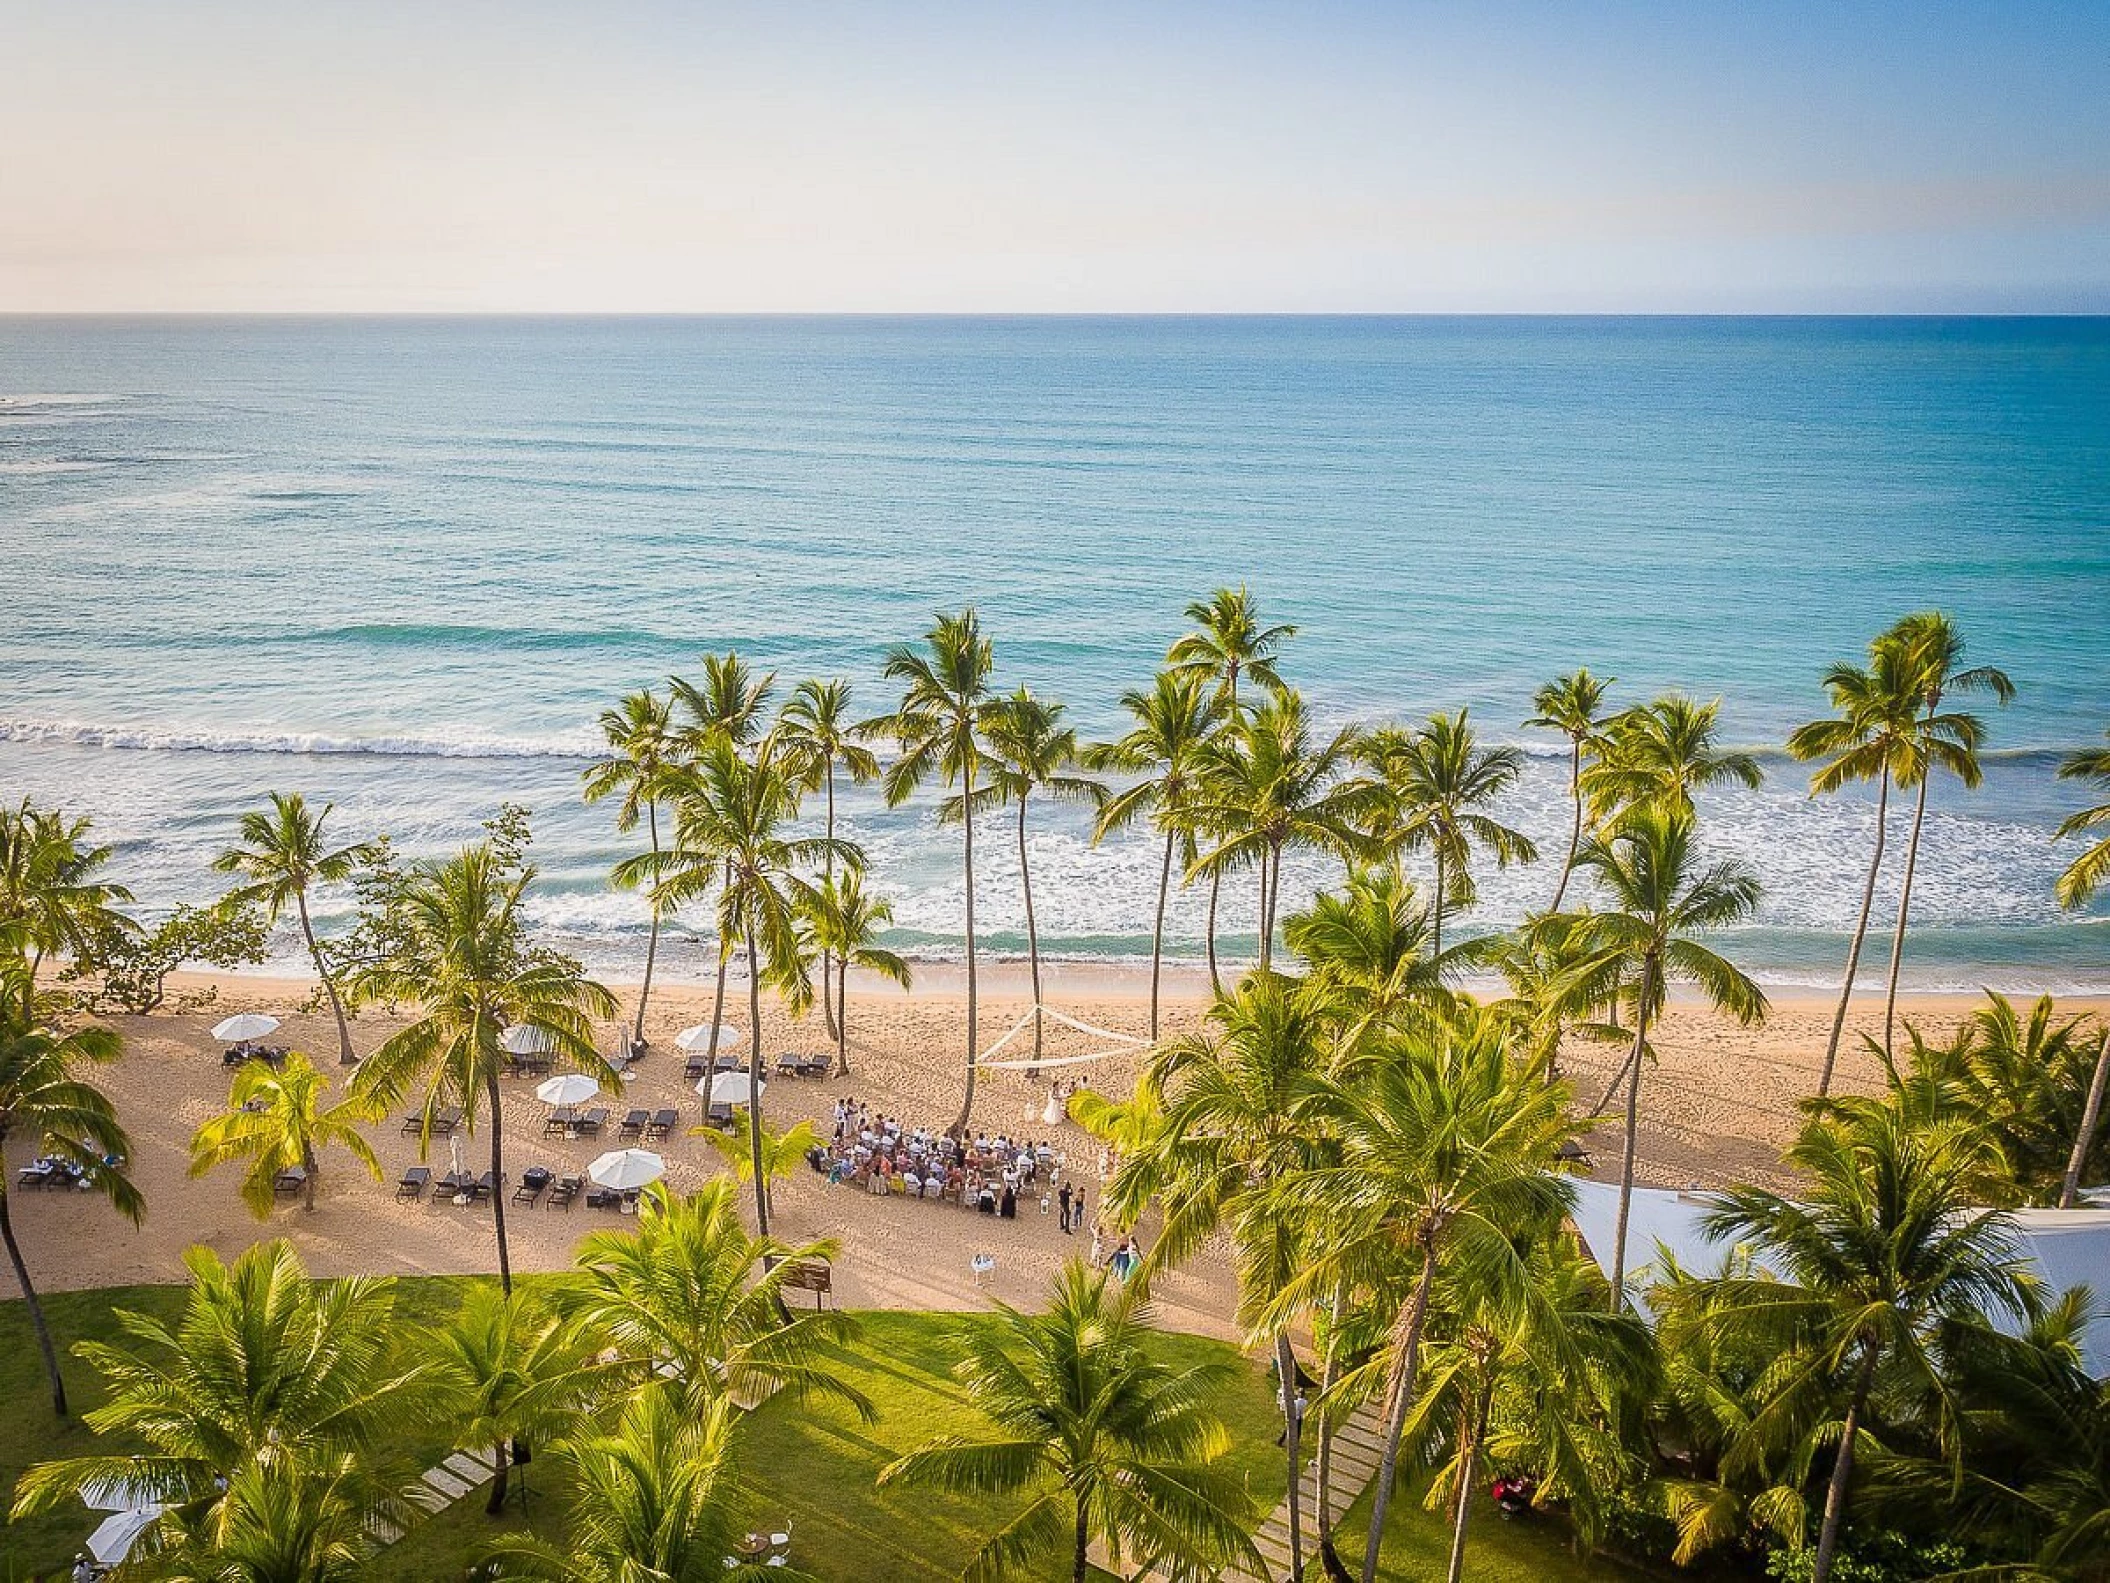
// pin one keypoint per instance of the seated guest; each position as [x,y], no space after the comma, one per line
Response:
[1007,1206]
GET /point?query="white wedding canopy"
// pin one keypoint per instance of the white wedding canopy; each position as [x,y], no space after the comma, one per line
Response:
[698,1037]
[627,1169]
[566,1088]
[245,1025]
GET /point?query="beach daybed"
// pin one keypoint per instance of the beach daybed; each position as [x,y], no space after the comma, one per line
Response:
[443,1121]
[289,1182]
[415,1180]
[561,1195]
[532,1181]
[633,1127]
[661,1125]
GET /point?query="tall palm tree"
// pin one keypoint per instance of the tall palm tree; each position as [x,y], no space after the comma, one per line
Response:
[689,1287]
[1173,721]
[1870,737]
[643,748]
[463,959]
[1109,1443]
[1880,1259]
[265,1369]
[939,726]
[774,1155]
[1445,1143]
[656,1496]
[43,1099]
[735,813]
[1029,750]
[280,1121]
[1658,902]
[1436,782]
[1241,1107]
[281,852]
[1371,941]
[1572,705]
[1659,753]
[52,896]
[1267,786]
[506,1370]
[2077,887]
[845,923]
[1228,643]
[814,734]
[1557,984]
[1933,665]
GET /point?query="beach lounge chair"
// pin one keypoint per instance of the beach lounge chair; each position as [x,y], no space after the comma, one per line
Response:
[662,1124]
[788,1064]
[484,1186]
[558,1123]
[561,1195]
[532,1181]
[603,1198]
[633,1126]
[415,1180]
[42,1174]
[590,1124]
[816,1066]
[719,1116]
[289,1182]
[694,1067]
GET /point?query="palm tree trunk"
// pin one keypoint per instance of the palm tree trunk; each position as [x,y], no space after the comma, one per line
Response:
[1293,1443]
[1080,1565]
[1216,983]
[498,1185]
[1408,1362]
[1574,831]
[497,1502]
[1897,941]
[1436,916]
[1469,1456]
[754,1088]
[1842,1471]
[1853,952]
[1157,934]
[1025,885]
[644,990]
[828,858]
[35,1305]
[2091,1113]
[344,1031]
[959,1127]
[308,1175]
[842,1016]
[1322,1493]
[1633,1123]
[718,1004]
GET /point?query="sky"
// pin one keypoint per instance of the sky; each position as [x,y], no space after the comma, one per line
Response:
[1011,156]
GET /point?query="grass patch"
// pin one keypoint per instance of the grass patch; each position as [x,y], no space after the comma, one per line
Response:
[1417,1545]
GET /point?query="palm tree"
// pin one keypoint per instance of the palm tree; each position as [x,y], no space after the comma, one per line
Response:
[282,854]
[309,1524]
[814,734]
[658,1496]
[1882,1257]
[1871,737]
[1660,753]
[279,1121]
[733,813]
[265,1369]
[1371,941]
[463,959]
[1571,705]
[1228,643]
[1109,1443]
[779,1153]
[689,1287]
[1241,1108]
[640,734]
[1265,787]
[1657,904]
[506,1370]
[1435,783]
[844,922]
[1445,1144]
[2077,887]
[1029,750]
[945,697]
[1557,984]
[43,1099]
[1173,721]
[51,896]
[1933,668]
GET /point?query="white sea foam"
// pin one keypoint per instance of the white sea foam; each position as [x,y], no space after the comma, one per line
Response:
[465,745]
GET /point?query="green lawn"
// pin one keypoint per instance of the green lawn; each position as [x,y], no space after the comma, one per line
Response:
[1417,1548]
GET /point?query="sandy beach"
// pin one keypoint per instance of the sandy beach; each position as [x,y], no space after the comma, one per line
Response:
[1717,1108]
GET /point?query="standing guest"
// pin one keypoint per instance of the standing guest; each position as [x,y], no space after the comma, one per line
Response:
[1007,1206]
[1063,1198]
[1098,1252]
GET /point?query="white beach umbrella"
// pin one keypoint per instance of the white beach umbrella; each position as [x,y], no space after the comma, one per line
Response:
[624,1169]
[567,1088]
[525,1040]
[113,1539]
[728,1088]
[113,1495]
[245,1025]
[699,1037]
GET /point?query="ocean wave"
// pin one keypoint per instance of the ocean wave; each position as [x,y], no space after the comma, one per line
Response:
[76,733]
[427,634]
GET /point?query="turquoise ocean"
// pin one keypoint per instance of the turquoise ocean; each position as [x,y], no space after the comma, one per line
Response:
[401,564]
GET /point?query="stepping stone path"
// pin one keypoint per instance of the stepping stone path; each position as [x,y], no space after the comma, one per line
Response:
[1358,1446]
